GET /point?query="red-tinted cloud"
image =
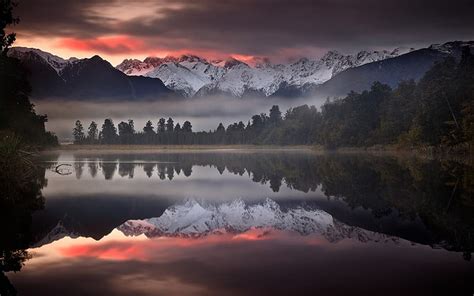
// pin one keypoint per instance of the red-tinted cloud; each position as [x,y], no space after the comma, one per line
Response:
[110,251]
[147,249]
[108,45]
[246,27]
[127,45]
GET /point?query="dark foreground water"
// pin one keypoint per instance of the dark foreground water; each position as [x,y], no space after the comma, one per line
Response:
[242,223]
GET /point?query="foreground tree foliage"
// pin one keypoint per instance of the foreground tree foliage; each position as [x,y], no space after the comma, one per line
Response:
[16,111]
[437,111]
[21,181]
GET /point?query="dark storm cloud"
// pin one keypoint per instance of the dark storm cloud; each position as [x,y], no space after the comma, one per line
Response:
[43,18]
[258,27]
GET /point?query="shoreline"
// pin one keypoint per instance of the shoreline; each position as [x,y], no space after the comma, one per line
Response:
[174,148]
[427,152]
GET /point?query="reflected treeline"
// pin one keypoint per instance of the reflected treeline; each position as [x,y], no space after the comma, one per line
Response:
[440,193]
[20,196]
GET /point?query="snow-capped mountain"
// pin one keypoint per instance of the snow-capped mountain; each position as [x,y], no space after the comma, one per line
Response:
[194,219]
[412,65]
[57,63]
[90,78]
[191,74]
[334,75]
[135,67]
[57,233]
[185,74]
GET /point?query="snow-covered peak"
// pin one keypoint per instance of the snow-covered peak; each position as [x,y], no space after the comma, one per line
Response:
[332,55]
[58,232]
[233,63]
[153,61]
[191,74]
[55,62]
[191,59]
[134,67]
[302,61]
[259,62]
[195,219]
[218,62]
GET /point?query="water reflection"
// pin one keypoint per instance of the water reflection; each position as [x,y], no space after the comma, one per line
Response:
[20,197]
[194,220]
[256,262]
[184,222]
[425,201]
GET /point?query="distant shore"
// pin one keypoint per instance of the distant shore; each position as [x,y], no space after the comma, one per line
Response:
[430,152]
[158,148]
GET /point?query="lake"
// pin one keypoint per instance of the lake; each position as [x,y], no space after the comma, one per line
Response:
[235,222]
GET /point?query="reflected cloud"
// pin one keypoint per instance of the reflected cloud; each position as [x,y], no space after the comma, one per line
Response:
[395,196]
[256,262]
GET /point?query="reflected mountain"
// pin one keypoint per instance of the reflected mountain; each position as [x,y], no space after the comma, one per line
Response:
[424,201]
[193,220]
[150,210]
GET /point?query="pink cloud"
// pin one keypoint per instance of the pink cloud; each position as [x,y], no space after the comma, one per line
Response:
[108,45]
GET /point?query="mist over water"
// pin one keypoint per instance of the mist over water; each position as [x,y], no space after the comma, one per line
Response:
[204,113]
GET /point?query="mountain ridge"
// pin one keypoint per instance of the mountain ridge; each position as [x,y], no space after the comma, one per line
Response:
[193,219]
[236,77]
[84,79]
[334,75]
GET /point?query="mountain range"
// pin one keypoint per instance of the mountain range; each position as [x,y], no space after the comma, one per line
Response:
[335,74]
[193,219]
[193,75]
[93,78]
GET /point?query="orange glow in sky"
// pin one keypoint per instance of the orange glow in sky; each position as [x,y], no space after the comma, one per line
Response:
[116,48]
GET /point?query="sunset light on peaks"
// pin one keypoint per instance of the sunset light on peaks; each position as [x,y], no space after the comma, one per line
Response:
[248,59]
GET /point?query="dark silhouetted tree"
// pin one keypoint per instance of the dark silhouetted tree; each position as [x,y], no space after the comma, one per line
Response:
[170,125]
[92,132]
[109,132]
[187,127]
[149,129]
[220,128]
[6,19]
[17,114]
[126,132]
[131,125]
[161,125]
[275,115]
[78,133]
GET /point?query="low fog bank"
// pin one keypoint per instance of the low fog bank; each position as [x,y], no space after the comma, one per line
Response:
[203,113]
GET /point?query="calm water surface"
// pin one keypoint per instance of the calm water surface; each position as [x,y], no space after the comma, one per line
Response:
[248,223]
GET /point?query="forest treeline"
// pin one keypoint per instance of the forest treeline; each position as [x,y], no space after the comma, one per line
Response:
[436,111]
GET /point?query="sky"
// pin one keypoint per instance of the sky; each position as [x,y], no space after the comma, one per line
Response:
[279,29]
